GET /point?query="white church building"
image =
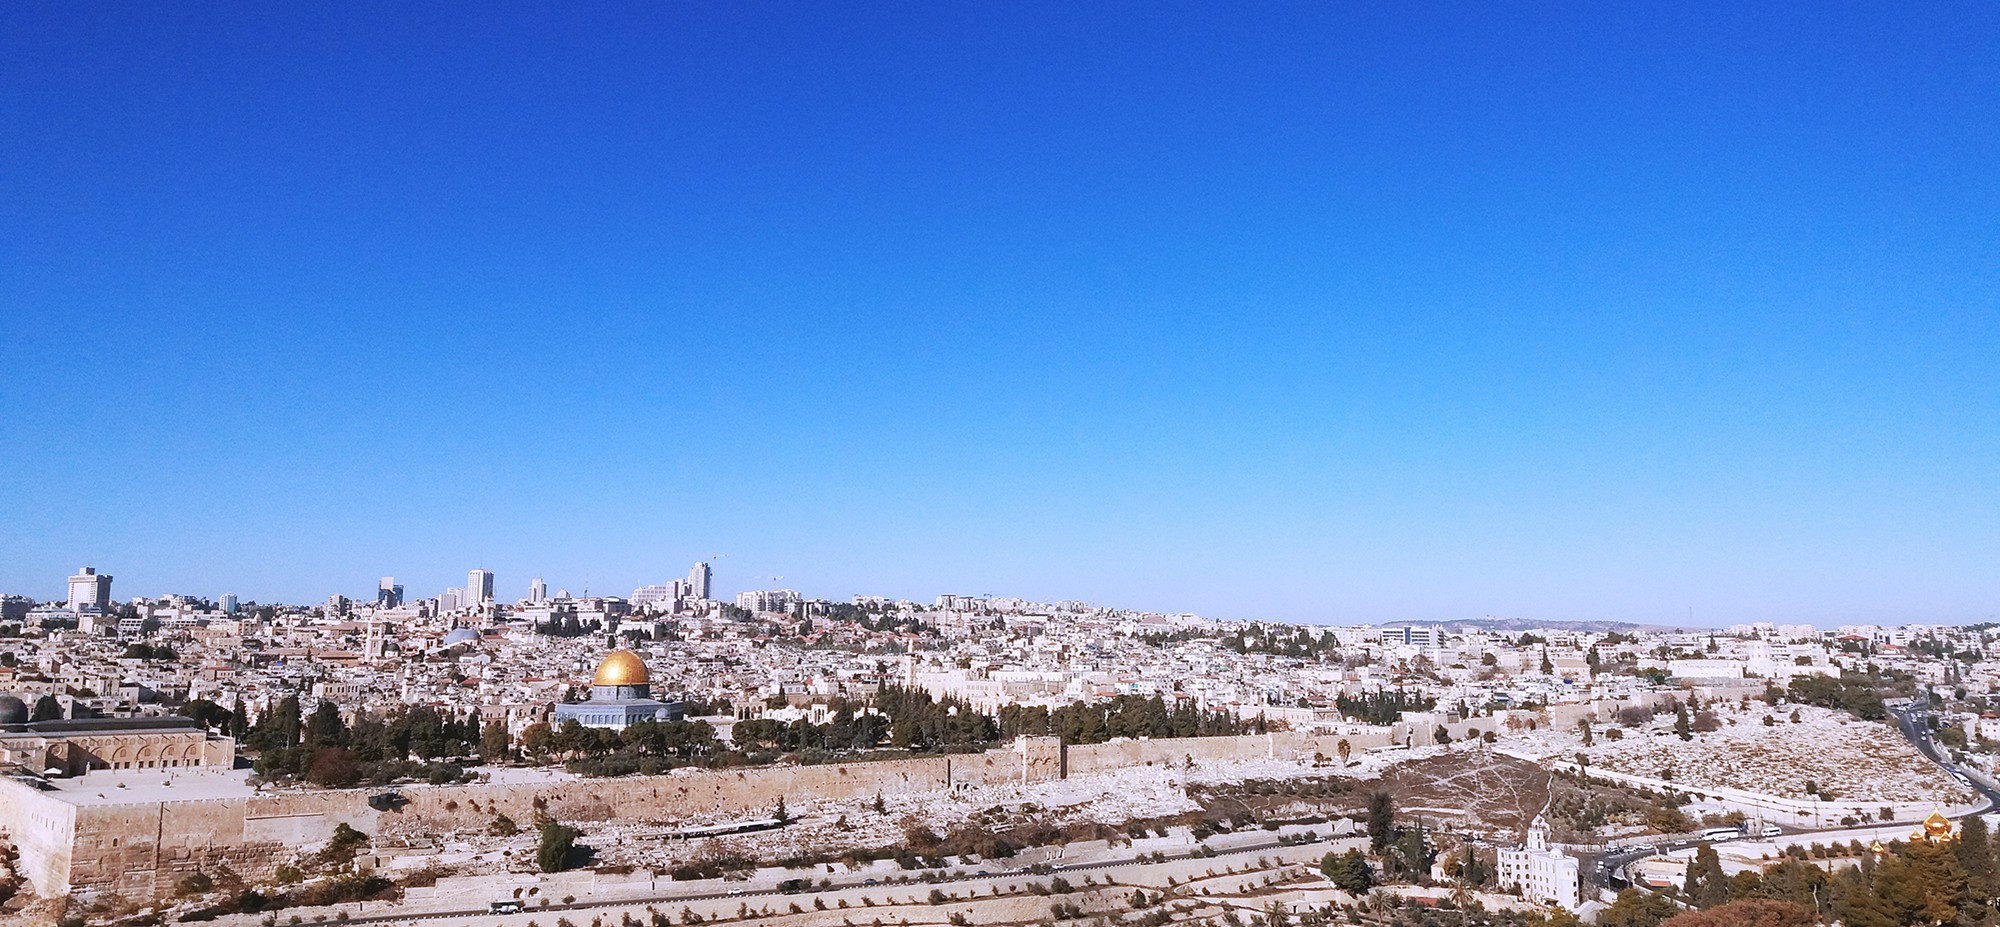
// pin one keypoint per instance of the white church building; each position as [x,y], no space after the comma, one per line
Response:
[1541,872]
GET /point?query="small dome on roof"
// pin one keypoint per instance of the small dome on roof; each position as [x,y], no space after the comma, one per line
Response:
[13,710]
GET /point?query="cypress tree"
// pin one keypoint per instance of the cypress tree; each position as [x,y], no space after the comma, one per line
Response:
[1381,820]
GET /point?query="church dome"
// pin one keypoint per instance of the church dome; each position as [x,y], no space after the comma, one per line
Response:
[622,668]
[461,636]
[13,710]
[1937,825]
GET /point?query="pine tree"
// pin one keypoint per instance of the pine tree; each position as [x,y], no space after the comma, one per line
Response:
[1636,907]
[1975,855]
[1706,886]
[1940,881]
[1855,903]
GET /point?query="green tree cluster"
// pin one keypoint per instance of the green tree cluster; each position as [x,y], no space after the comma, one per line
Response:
[1382,707]
[322,748]
[1348,872]
[1123,716]
[1284,641]
[643,747]
[1859,694]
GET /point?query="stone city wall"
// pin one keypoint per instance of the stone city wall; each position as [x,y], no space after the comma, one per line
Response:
[144,849]
[42,830]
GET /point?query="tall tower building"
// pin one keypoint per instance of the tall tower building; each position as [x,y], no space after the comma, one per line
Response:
[698,581]
[388,594]
[89,589]
[478,588]
[229,603]
[538,591]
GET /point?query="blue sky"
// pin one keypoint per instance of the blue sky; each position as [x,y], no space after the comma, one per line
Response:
[1307,312]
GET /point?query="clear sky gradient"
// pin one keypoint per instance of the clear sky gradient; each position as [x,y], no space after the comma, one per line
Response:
[1319,312]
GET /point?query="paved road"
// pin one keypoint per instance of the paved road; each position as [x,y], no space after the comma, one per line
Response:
[1913,719]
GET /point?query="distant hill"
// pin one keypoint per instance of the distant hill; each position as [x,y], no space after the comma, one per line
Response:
[1530,624]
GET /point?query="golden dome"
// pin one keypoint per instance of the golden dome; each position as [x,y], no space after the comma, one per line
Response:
[1938,825]
[622,668]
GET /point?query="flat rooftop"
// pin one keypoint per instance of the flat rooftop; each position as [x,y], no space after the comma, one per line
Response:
[101,726]
[145,786]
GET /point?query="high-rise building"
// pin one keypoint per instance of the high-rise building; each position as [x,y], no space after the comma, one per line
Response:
[336,605]
[478,588]
[538,591]
[229,603]
[89,589]
[698,581]
[389,594]
[451,600]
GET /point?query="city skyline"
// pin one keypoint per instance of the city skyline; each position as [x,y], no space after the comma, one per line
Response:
[699,584]
[1291,312]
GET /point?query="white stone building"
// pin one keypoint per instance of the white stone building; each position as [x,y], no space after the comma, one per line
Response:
[1541,872]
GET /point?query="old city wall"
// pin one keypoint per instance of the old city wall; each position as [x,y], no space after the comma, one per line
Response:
[687,793]
[40,828]
[144,849]
[671,797]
